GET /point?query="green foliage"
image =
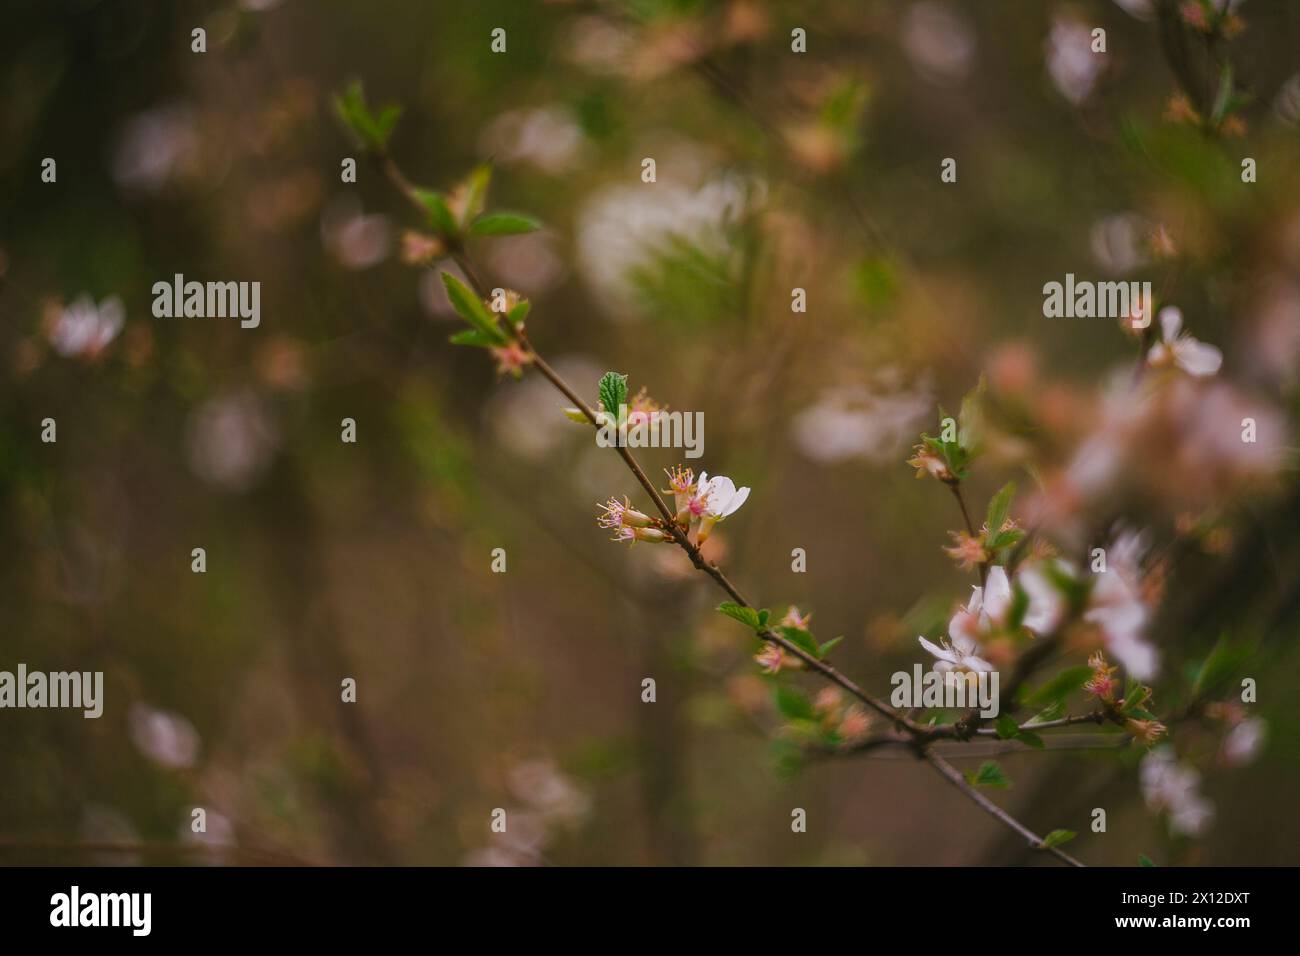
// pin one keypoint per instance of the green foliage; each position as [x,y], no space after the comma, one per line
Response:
[745,615]
[998,511]
[371,131]
[1009,729]
[473,192]
[519,313]
[471,308]
[958,452]
[503,224]
[989,774]
[440,214]
[793,704]
[613,396]
[1223,663]
[1058,838]
[688,282]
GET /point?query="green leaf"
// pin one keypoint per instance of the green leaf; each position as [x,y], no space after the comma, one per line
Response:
[369,131]
[1058,837]
[800,639]
[1060,687]
[988,775]
[519,312]
[612,392]
[474,337]
[999,508]
[1054,711]
[745,615]
[476,189]
[793,704]
[503,224]
[1223,662]
[763,616]
[825,649]
[1144,860]
[440,216]
[386,122]
[1031,739]
[1007,727]
[470,308]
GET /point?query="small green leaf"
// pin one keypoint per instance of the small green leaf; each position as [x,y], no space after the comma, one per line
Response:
[1220,666]
[369,131]
[386,122]
[763,616]
[519,312]
[440,216]
[800,639]
[1144,860]
[613,392]
[999,508]
[1031,739]
[793,704]
[470,308]
[503,224]
[1054,711]
[475,188]
[474,337]
[745,615]
[988,775]
[1007,727]
[1058,837]
[825,649]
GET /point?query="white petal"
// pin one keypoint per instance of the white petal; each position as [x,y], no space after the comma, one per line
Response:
[997,594]
[1197,358]
[737,500]
[1171,322]
[937,651]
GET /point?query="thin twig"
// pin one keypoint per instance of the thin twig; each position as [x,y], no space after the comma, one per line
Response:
[919,736]
[954,776]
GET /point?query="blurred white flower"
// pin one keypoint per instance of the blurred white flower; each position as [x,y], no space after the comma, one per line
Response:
[1287,102]
[528,263]
[1243,742]
[548,137]
[1179,348]
[1116,606]
[356,240]
[1046,605]
[153,146]
[600,45]
[1172,787]
[231,439]
[1119,242]
[1138,9]
[873,423]
[164,737]
[939,40]
[85,329]
[1073,66]
[621,227]
[548,791]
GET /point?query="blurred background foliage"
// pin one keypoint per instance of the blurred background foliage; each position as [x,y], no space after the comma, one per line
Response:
[371,560]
